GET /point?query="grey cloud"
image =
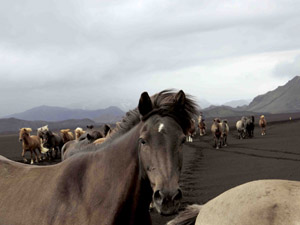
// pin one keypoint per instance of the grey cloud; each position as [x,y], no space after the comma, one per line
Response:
[288,69]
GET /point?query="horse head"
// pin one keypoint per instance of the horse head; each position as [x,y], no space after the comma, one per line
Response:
[24,132]
[161,140]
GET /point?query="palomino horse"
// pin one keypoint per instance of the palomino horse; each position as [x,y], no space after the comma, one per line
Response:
[113,183]
[30,143]
[67,135]
[262,123]
[201,125]
[216,130]
[262,202]
[78,132]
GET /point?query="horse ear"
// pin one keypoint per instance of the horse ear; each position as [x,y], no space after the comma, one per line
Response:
[180,99]
[145,104]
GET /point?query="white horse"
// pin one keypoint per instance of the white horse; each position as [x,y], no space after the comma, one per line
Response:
[241,127]
[261,202]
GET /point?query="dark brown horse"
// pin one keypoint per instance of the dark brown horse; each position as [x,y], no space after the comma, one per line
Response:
[113,184]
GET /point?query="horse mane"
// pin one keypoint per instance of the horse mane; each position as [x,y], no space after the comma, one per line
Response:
[163,105]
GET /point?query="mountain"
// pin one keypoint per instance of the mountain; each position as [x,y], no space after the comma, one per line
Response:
[237,103]
[224,111]
[283,99]
[50,113]
[13,124]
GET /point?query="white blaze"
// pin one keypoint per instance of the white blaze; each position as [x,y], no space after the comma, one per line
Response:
[161,126]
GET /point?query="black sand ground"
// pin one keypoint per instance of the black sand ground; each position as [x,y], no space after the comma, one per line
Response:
[208,172]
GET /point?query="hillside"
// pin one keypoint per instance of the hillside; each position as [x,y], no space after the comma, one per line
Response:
[50,113]
[283,99]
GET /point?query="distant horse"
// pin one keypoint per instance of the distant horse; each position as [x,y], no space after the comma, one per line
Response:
[74,146]
[191,131]
[250,126]
[262,202]
[78,132]
[41,131]
[241,128]
[30,143]
[113,183]
[262,123]
[224,131]
[216,130]
[201,125]
[67,135]
[53,142]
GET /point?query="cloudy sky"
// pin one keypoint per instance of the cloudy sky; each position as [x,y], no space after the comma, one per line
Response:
[95,53]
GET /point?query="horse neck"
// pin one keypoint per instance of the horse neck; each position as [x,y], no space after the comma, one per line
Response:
[129,186]
[27,139]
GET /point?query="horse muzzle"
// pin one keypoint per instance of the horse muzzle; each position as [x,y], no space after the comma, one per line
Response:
[167,203]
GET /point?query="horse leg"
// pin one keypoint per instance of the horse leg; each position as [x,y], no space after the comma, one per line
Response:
[31,161]
[36,157]
[23,155]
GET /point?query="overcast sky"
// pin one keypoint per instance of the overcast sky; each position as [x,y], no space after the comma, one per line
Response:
[93,54]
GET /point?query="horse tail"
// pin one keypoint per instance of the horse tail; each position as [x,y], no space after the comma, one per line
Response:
[187,216]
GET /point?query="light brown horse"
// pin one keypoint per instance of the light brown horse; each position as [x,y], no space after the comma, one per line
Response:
[30,143]
[262,123]
[113,183]
[261,202]
[67,135]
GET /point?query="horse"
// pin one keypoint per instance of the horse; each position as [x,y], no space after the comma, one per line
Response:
[262,123]
[241,128]
[201,125]
[30,143]
[260,202]
[191,131]
[78,132]
[114,182]
[41,131]
[67,135]
[74,146]
[53,142]
[249,121]
[224,132]
[216,130]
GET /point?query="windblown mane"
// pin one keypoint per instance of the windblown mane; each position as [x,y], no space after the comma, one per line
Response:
[163,105]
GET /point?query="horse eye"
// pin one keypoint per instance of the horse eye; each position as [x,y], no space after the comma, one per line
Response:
[142,141]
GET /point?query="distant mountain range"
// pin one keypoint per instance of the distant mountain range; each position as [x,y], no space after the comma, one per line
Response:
[49,113]
[237,103]
[283,99]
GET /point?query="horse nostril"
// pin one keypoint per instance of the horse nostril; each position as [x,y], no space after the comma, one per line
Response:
[157,195]
[177,196]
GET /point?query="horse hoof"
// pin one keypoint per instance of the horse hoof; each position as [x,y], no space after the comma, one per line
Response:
[31,162]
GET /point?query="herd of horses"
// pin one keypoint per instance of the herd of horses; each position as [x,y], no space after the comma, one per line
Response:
[111,177]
